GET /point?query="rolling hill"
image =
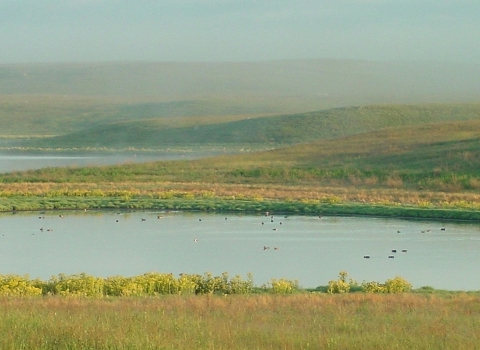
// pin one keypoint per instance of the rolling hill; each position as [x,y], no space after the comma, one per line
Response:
[272,131]
[441,156]
[56,99]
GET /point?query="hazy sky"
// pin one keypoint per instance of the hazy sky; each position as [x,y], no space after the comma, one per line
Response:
[238,30]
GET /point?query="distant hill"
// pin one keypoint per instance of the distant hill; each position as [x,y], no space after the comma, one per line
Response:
[55,99]
[57,114]
[270,130]
[342,82]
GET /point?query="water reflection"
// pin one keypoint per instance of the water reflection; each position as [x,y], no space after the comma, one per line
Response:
[310,249]
[20,162]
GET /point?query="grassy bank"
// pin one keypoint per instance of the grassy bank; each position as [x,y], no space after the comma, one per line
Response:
[302,321]
[189,202]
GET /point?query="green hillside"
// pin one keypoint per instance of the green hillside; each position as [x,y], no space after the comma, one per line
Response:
[272,131]
[61,114]
[439,156]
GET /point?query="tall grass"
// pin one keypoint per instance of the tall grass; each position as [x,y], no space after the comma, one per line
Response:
[301,321]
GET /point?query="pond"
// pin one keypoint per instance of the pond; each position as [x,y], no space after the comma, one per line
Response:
[26,161]
[310,249]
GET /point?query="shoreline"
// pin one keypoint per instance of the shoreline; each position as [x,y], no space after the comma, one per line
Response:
[223,205]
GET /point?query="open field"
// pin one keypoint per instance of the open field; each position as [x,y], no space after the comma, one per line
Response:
[264,321]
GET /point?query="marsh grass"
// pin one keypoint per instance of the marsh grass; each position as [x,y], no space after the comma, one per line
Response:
[300,321]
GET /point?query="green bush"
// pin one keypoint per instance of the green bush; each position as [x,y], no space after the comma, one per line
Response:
[282,286]
[78,285]
[14,285]
[341,285]
[395,285]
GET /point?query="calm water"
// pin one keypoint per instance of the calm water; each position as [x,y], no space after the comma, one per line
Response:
[19,162]
[310,249]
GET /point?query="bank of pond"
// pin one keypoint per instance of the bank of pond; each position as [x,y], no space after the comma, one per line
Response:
[192,202]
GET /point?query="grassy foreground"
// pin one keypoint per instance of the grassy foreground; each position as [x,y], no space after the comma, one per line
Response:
[301,321]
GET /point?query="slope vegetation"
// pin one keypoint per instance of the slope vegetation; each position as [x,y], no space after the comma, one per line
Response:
[273,130]
[439,156]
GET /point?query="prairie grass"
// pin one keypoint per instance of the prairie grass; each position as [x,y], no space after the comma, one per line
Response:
[265,321]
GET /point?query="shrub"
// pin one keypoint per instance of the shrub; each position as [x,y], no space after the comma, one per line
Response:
[14,285]
[373,287]
[282,286]
[341,285]
[78,285]
[395,285]
[237,285]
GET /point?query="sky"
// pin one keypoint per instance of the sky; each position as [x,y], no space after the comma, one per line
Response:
[238,30]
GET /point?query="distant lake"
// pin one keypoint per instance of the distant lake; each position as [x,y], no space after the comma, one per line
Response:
[19,162]
[310,249]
